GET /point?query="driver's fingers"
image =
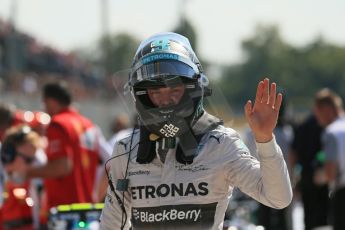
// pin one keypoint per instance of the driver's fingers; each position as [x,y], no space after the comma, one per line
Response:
[273,95]
[265,92]
[278,102]
[259,91]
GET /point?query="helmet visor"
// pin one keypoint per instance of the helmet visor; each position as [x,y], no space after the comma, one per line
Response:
[162,70]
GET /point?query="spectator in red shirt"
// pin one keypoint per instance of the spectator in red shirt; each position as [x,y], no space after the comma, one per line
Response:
[72,152]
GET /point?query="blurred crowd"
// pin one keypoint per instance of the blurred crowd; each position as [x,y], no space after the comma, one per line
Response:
[314,149]
[26,65]
[51,158]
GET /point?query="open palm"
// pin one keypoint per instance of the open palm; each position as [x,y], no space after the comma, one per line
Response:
[262,117]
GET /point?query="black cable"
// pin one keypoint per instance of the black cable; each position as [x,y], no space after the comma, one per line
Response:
[112,188]
[129,156]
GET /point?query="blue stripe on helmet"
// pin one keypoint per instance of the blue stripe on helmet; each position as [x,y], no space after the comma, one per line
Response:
[159,56]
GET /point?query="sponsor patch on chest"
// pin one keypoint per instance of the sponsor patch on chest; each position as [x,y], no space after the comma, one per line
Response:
[172,190]
[193,216]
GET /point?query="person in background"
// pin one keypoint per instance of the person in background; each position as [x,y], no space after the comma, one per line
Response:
[306,151]
[73,151]
[329,111]
[21,208]
[119,127]
[7,119]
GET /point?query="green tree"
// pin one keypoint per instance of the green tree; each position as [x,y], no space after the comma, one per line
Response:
[118,51]
[299,72]
[186,29]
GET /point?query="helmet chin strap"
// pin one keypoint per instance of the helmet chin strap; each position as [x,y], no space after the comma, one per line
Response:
[187,148]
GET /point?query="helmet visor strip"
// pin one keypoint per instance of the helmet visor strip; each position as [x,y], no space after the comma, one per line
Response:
[162,71]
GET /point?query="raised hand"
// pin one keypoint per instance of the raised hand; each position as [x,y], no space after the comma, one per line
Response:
[262,117]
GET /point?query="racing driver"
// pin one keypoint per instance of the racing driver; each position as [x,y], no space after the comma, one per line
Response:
[177,169]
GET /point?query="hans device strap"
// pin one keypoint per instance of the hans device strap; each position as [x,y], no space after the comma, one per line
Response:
[188,142]
[146,150]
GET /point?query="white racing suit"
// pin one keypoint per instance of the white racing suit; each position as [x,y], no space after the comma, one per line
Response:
[172,195]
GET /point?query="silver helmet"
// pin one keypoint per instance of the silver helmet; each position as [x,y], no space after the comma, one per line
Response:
[165,60]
